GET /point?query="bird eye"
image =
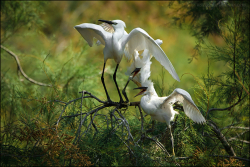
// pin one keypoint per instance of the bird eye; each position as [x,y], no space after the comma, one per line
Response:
[115,23]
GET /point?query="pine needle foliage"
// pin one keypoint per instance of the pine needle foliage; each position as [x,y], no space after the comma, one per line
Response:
[20,14]
[223,98]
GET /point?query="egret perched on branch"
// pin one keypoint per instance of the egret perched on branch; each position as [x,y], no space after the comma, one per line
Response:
[139,70]
[118,42]
[161,109]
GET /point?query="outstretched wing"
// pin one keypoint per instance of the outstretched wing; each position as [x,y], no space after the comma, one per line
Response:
[143,63]
[138,39]
[107,27]
[90,31]
[190,109]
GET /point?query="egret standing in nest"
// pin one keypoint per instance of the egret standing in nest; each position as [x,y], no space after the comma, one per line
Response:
[117,43]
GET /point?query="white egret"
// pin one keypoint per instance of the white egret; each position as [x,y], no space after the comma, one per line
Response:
[119,42]
[139,66]
[161,109]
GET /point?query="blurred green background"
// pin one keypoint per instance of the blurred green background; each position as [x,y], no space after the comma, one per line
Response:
[58,38]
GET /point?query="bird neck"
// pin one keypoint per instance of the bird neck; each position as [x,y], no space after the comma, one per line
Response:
[150,93]
[118,34]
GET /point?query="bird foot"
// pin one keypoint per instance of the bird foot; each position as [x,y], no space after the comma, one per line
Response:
[121,101]
[127,103]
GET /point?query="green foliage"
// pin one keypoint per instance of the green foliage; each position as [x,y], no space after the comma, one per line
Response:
[229,89]
[20,14]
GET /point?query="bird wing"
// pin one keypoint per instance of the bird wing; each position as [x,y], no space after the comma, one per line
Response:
[107,27]
[138,39]
[90,31]
[145,69]
[127,55]
[190,109]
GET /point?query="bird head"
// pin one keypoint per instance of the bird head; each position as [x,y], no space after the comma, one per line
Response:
[115,23]
[142,92]
[136,71]
[147,88]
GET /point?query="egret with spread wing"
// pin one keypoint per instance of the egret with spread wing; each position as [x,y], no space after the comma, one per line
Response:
[139,70]
[119,42]
[161,108]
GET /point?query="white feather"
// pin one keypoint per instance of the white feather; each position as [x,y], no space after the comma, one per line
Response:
[143,63]
[120,43]
[138,39]
[90,31]
[190,109]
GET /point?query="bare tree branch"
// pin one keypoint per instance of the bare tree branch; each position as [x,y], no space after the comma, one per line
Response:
[159,144]
[235,127]
[126,124]
[240,158]
[217,131]
[238,135]
[92,122]
[83,93]
[223,109]
[141,118]
[90,112]
[234,138]
[20,68]
[222,138]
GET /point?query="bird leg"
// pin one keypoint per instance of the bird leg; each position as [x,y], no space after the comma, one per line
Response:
[102,78]
[172,139]
[124,90]
[114,78]
[136,70]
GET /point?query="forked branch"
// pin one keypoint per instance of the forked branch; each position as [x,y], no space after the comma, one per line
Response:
[21,70]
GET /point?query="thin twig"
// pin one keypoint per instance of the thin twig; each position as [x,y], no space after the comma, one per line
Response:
[130,150]
[159,144]
[92,96]
[93,124]
[20,68]
[222,138]
[141,118]
[236,127]
[126,124]
[238,135]
[223,109]
[83,93]
[234,138]
[61,114]
[90,112]
[88,126]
